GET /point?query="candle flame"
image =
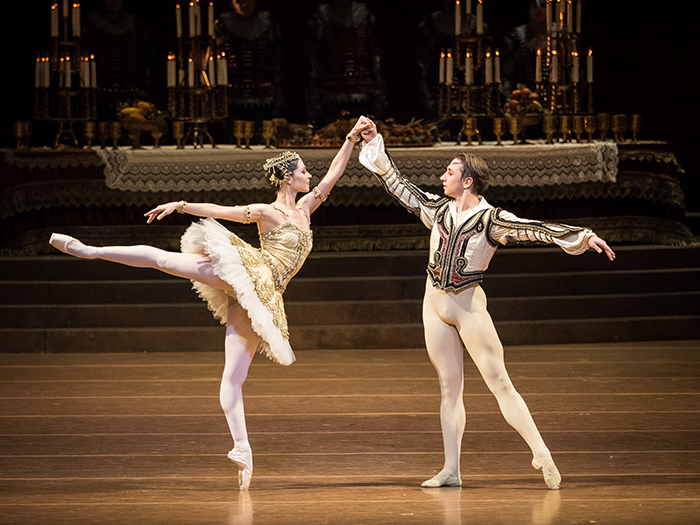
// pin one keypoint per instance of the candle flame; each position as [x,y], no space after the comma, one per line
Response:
[539,52]
[488,54]
[449,54]
[590,52]
[457,2]
[442,54]
[177,6]
[55,6]
[574,53]
[75,6]
[554,51]
[497,53]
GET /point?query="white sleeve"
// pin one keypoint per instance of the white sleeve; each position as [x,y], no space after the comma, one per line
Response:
[375,158]
[507,227]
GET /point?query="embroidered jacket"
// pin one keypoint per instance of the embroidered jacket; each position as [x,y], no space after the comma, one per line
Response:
[460,253]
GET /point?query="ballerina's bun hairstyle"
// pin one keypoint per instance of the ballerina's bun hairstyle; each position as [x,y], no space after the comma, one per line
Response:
[279,169]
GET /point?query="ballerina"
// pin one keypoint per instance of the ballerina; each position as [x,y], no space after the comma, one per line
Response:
[242,285]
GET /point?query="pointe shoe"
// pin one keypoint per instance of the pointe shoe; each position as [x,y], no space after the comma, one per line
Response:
[443,479]
[78,249]
[549,470]
[244,462]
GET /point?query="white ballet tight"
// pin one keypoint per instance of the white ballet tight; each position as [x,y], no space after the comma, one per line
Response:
[449,317]
[241,341]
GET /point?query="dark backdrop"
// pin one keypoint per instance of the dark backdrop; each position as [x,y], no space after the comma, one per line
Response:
[646,58]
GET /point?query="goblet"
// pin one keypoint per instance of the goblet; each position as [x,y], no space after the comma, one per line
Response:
[156,137]
[590,124]
[469,128]
[578,127]
[103,133]
[238,131]
[89,133]
[268,131]
[115,133]
[549,126]
[179,133]
[565,127]
[499,128]
[603,125]
[514,127]
[635,126]
[619,127]
[248,132]
[22,132]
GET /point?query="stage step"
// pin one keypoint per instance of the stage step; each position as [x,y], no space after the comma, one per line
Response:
[355,300]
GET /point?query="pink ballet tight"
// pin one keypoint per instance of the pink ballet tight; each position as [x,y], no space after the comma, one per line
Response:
[449,317]
[241,341]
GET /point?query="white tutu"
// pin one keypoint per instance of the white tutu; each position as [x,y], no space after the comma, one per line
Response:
[242,266]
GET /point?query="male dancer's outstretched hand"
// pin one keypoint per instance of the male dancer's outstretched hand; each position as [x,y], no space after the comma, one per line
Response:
[601,246]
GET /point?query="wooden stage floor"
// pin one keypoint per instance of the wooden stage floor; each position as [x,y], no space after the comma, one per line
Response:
[347,437]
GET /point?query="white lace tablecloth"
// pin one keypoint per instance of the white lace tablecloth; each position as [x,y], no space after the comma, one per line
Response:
[232,168]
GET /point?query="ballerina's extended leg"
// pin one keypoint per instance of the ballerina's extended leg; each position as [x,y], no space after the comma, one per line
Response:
[186,265]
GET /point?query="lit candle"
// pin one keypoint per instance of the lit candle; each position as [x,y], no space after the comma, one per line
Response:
[171,71]
[37,73]
[560,14]
[569,16]
[75,19]
[458,18]
[190,19]
[578,16]
[178,21]
[211,71]
[68,79]
[222,74]
[489,67]
[210,19]
[441,68]
[574,67]
[198,18]
[93,72]
[190,72]
[469,69]
[538,66]
[448,69]
[480,18]
[554,69]
[497,67]
[46,66]
[54,21]
[84,72]
[589,66]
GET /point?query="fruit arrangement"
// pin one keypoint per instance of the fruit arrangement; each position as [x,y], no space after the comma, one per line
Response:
[141,111]
[524,101]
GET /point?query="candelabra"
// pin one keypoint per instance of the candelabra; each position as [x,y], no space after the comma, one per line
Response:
[470,76]
[197,77]
[65,78]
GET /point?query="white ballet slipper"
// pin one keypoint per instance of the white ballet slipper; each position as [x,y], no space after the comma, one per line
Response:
[244,461]
[443,478]
[76,249]
[549,470]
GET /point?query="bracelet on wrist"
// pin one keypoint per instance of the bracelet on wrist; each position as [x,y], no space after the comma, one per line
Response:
[353,139]
[183,207]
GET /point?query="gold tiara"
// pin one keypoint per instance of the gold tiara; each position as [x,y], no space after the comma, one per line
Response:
[282,162]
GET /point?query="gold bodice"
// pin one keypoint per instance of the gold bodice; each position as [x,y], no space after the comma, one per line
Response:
[284,249]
